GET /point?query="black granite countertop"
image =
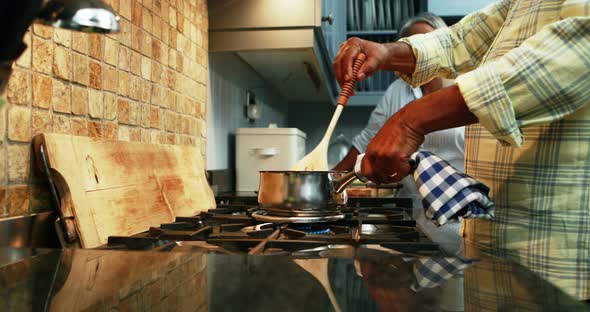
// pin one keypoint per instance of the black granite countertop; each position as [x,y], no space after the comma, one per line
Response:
[345,280]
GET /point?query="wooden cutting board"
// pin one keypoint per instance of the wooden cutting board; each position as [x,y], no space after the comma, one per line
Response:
[123,188]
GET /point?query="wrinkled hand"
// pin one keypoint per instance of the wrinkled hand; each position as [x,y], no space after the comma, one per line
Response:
[377,55]
[390,150]
[388,282]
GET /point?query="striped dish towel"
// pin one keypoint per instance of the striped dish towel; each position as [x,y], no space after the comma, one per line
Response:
[447,193]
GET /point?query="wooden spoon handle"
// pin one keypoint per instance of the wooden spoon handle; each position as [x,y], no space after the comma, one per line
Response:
[348,87]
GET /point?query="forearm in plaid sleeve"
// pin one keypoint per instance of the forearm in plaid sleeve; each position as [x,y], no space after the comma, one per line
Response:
[543,80]
[449,52]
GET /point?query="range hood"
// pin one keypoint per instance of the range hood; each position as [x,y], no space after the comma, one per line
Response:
[282,40]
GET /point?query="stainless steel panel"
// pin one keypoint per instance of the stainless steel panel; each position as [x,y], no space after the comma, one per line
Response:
[36,230]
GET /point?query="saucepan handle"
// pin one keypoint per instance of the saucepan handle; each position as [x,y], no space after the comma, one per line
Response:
[359,161]
[357,173]
[344,181]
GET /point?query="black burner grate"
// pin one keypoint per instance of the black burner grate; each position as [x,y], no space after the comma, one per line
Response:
[230,228]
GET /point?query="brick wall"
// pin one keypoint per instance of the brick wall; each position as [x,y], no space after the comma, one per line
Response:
[146,83]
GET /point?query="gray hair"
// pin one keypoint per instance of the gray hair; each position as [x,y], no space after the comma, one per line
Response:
[424,17]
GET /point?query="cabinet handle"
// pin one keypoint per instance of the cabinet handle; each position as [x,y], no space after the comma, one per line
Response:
[267,152]
[329,19]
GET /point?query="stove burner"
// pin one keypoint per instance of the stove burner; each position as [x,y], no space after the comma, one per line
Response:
[266,217]
[244,228]
[311,229]
[285,212]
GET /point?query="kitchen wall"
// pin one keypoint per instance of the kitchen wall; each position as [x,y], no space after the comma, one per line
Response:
[230,80]
[313,119]
[147,83]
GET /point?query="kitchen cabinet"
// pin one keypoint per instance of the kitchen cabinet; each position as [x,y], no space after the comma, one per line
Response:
[292,43]
[289,43]
[334,26]
[379,21]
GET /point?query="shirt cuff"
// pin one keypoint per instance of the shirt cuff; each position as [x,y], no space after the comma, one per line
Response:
[427,60]
[486,97]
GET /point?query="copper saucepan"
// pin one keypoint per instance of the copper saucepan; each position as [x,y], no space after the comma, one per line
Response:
[306,193]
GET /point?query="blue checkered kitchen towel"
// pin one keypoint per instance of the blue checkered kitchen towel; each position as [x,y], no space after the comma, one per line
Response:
[447,193]
[433,272]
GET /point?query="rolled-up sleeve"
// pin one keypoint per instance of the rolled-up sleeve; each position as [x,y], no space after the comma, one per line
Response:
[449,52]
[543,80]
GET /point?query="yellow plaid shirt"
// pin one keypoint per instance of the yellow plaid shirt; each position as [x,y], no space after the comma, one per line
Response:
[523,67]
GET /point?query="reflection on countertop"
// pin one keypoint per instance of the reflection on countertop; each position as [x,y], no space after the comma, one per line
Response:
[100,280]
[351,280]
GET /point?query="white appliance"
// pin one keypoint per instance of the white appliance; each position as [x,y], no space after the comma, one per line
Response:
[259,149]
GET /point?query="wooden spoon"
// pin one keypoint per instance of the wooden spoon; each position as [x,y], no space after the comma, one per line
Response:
[319,269]
[317,160]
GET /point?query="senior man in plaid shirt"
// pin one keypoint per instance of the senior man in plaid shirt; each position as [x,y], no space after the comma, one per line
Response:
[522,84]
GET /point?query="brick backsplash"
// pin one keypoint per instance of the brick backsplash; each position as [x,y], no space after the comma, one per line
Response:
[147,83]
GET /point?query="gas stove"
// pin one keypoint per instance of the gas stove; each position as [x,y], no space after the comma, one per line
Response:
[374,259]
[236,227]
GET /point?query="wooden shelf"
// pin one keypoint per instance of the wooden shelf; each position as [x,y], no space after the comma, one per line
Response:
[371,32]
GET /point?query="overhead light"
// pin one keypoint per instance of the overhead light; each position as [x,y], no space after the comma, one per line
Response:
[16,16]
[82,15]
